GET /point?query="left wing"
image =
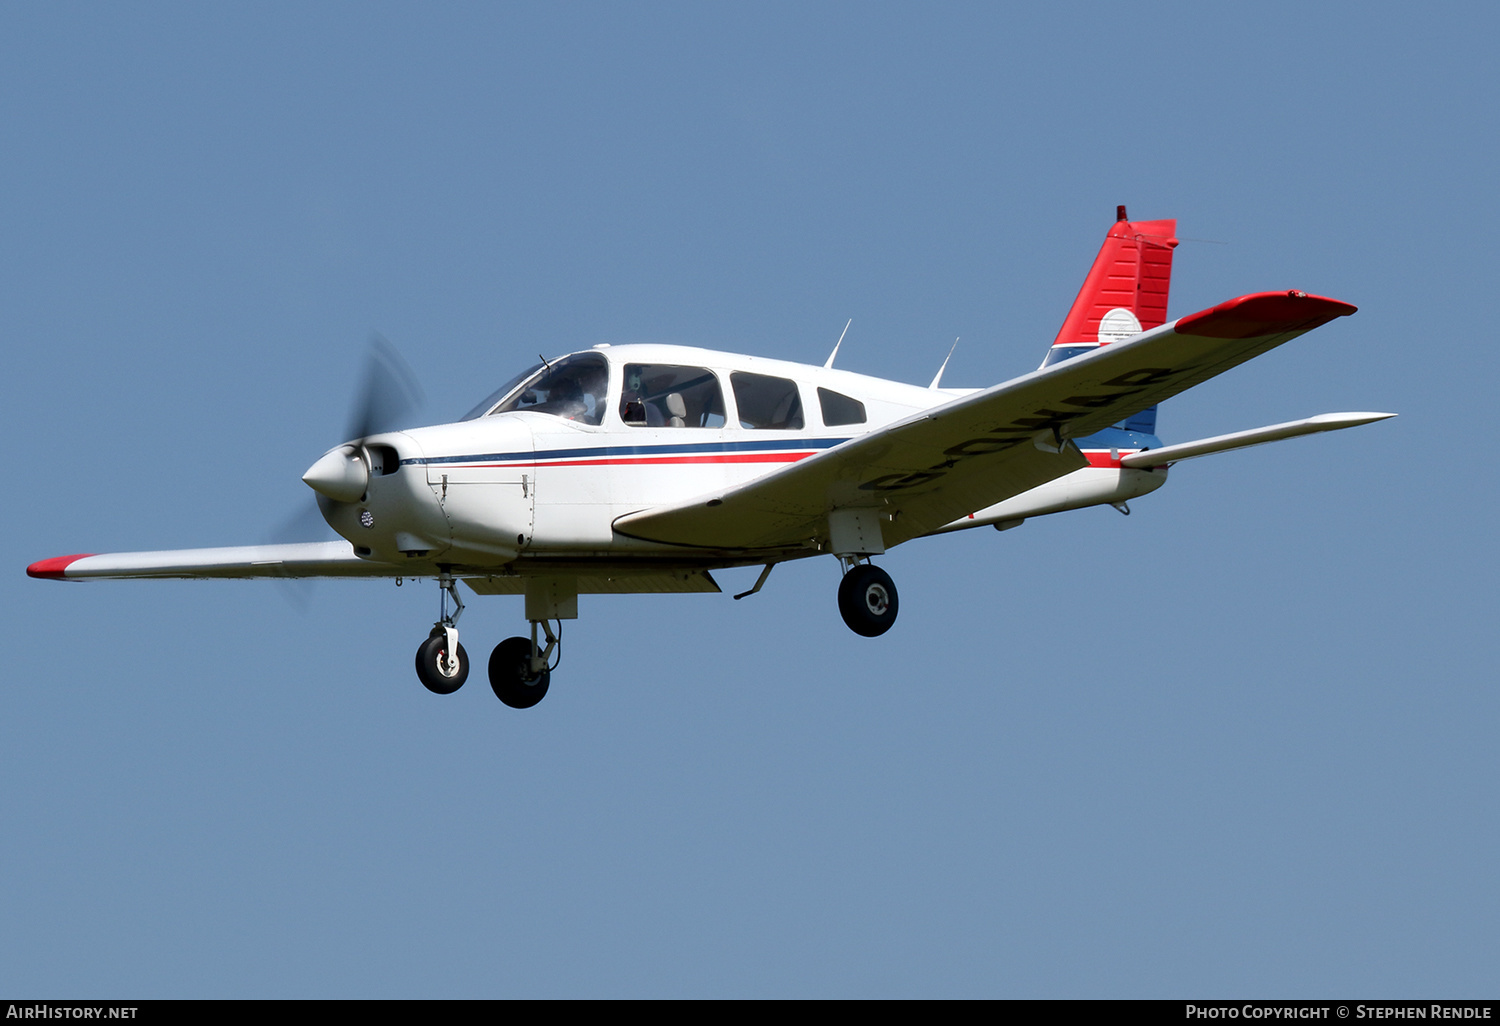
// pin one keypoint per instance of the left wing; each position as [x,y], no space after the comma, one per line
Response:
[932,468]
[301,559]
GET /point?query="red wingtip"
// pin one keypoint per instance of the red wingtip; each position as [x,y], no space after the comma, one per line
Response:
[1264,313]
[52,569]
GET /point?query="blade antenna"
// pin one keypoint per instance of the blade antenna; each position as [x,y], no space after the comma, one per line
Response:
[836,345]
[939,376]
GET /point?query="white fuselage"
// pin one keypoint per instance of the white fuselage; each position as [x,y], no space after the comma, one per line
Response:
[516,486]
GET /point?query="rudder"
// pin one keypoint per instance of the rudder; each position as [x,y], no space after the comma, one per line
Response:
[1124,294]
[1126,290]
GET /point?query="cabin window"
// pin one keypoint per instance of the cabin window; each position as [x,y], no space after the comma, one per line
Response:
[663,396]
[767,402]
[840,409]
[573,388]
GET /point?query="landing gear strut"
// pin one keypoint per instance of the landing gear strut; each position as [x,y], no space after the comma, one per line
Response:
[867,600]
[520,669]
[442,663]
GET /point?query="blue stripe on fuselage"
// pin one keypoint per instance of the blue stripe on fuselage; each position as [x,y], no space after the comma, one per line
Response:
[784,444]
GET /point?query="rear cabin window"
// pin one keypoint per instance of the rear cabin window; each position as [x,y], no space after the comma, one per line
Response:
[656,395]
[840,409]
[767,402]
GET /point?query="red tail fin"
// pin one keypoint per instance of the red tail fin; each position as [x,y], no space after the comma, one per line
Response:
[1126,290]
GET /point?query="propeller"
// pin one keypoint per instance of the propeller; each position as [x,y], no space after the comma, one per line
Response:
[388,393]
[305,525]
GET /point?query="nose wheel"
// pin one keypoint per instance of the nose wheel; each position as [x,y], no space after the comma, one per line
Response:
[442,663]
[437,672]
[867,600]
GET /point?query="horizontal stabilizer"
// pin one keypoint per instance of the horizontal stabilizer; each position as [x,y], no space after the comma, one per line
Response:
[1244,439]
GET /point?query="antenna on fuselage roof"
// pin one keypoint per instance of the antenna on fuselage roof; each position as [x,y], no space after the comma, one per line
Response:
[939,375]
[836,345]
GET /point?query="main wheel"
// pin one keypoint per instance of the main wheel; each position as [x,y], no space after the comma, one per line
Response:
[511,677]
[867,600]
[431,671]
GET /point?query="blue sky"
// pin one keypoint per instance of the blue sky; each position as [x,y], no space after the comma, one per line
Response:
[1239,743]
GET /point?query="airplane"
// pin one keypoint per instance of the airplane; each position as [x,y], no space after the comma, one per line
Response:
[643,468]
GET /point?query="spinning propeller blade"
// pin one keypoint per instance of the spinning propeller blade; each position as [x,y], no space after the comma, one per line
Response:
[387,395]
[389,392]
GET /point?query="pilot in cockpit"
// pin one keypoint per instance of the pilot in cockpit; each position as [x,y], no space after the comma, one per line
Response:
[634,409]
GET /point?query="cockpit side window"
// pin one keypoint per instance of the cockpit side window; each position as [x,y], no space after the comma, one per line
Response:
[839,408]
[767,402]
[656,395]
[574,388]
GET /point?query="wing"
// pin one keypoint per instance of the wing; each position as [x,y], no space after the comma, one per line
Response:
[930,469]
[302,559]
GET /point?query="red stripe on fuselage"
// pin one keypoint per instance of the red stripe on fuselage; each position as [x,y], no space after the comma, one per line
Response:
[635,461]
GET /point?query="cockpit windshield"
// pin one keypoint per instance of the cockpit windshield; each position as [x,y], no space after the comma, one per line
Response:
[573,388]
[489,401]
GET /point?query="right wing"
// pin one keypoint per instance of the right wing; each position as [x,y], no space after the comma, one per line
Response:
[930,469]
[300,559]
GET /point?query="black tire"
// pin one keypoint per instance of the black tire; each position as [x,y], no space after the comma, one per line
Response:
[867,600]
[510,674]
[430,658]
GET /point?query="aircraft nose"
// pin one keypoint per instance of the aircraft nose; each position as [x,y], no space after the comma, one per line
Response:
[342,475]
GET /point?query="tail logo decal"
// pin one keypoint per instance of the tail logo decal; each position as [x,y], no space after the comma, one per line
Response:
[1117,325]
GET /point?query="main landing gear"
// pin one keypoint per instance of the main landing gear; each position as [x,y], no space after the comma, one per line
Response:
[520,668]
[867,599]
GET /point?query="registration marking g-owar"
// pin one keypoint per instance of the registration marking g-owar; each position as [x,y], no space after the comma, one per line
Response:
[1023,429]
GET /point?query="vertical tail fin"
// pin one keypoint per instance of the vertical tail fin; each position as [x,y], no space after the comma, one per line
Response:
[1124,294]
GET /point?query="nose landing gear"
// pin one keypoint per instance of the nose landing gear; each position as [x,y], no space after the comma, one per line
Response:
[442,663]
[437,672]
